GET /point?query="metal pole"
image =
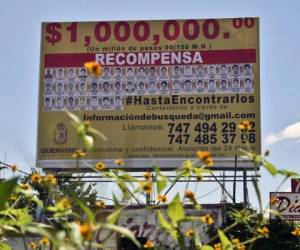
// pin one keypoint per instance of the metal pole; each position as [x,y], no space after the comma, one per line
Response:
[234,179]
[245,188]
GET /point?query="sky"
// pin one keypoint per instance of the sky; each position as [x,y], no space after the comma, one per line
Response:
[20,35]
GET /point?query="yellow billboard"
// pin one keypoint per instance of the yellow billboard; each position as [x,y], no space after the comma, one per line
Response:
[168,89]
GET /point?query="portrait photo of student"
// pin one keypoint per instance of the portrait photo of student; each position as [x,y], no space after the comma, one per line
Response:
[118,102]
[118,73]
[188,71]
[141,88]
[200,86]
[82,88]
[48,88]
[235,69]
[82,102]
[223,86]
[235,86]
[71,103]
[176,71]
[94,102]
[106,88]
[94,88]
[71,88]
[152,72]
[82,74]
[152,87]
[48,103]
[106,73]
[105,102]
[212,86]
[200,71]
[48,73]
[188,86]
[59,103]
[141,72]
[59,88]
[247,69]
[163,72]
[60,73]
[130,73]
[130,88]
[71,73]
[176,87]
[223,71]
[118,88]
[248,85]
[211,70]
[164,87]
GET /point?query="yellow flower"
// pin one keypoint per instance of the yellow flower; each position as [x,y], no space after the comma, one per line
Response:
[86,230]
[32,245]
[12,197]
[205,157]
[241,247]
[119,162]
[264,231]
[149,244]
[93,68]
[162,198]
[189,233]
[296,231]
[44,241]
[218,246]
[207,219]
[146,186]
[25,186]
[36,178]
[14,167]
[147,175]
[51,179]
[64,204]
[245,126]
[78,154]
[100,204]
[190,194]
[236,241]
[274,200]
[100,166]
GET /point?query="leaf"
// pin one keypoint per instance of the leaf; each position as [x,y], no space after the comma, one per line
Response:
[96,132]
[6,189]
[123,231]
[166,225]
[270,167]
[74,118]
[161,181]
[226,244]
[88,142]
[257,191]
[206,247]
[287,173]
[113,217]
[163,222]
[5,247]
[175,211]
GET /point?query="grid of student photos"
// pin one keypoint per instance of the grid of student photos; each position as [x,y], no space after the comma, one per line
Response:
[72,89]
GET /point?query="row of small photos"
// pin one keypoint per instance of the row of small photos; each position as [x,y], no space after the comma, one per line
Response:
[150,88]
[83,103]
[221,71]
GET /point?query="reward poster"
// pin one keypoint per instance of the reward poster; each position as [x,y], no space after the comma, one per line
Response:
[168,89]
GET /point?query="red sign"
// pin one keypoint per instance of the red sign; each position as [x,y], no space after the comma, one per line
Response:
[295,185]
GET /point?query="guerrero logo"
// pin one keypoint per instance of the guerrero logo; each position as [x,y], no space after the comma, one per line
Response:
[61,133]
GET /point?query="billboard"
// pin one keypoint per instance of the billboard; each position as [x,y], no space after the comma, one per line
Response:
[295,185]
[169,88]
[287,204]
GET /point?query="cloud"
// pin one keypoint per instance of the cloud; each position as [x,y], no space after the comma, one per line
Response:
[291,132]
